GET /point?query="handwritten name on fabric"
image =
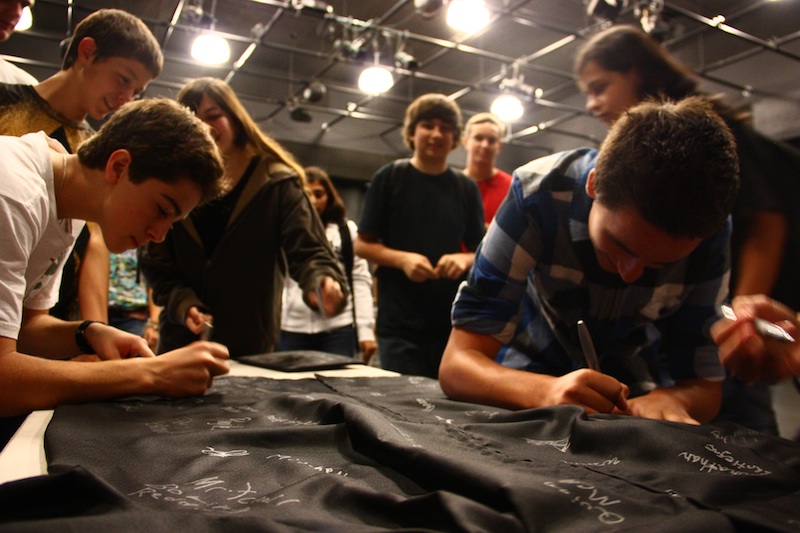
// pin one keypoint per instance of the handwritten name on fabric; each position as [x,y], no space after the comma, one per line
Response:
[352,454]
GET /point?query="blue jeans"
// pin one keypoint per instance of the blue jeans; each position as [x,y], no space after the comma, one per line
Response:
[418,357]
[340,341]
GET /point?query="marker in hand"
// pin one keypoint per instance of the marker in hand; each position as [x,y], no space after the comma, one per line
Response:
[587,346]
[763,327]
[208,329]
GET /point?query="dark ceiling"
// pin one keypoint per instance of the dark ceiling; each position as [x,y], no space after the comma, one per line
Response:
[754,57]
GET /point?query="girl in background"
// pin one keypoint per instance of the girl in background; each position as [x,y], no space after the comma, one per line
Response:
[305,329]
[219,273]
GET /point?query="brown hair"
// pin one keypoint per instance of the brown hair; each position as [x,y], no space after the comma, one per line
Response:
[248,134]
[674,162]
[428,107]
[116,33]
[166,142]
[626,48]
[334,211]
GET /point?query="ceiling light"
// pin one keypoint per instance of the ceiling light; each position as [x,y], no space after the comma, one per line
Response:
[508,107]
[313,6]
[605,9]
[297,113]
[375,80]
[467,15]
[314,91]
[348,49]
[211,49]
[405,60]
[25,21]
[427,8]
[648,12]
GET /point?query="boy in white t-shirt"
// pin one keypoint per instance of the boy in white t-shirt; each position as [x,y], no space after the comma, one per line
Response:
[146,168]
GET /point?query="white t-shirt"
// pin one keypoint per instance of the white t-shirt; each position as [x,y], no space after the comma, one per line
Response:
[33,242]
[10,73]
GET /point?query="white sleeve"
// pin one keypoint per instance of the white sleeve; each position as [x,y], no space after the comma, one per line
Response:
[362,292]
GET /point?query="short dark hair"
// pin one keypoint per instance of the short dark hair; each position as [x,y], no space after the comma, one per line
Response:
[166,141]
[429,107]
[674,162]
[116,33]
[334,211]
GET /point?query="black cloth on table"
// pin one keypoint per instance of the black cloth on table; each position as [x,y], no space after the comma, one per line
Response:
[375,454]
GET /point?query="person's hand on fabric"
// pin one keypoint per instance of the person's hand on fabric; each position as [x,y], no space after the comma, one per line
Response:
[594,391]
[748,355]
[189,370]
[659,405]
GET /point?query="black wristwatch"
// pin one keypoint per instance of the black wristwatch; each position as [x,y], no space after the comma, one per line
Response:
[80,337]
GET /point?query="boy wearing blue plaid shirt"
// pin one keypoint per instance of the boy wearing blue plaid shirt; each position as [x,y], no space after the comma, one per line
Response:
[633,240]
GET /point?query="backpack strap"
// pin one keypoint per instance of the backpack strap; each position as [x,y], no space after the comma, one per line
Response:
[347,258]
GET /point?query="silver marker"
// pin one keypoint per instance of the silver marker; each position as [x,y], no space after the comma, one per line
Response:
[208,329]
[763,327]
[587,346]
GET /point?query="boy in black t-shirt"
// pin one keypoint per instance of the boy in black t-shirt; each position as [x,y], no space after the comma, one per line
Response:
[421,223]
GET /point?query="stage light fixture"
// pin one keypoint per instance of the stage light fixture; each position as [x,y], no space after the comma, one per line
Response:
[428,8]
[350,49]
[314,91]
[468,15]
[605,9]
[315,7]
[375,80]
[508,107]
[207,47]
[403,59]
[211,49]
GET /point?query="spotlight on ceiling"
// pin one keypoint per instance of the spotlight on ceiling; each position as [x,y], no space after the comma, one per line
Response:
[605,9]
[211,49]
[316,7]
[468,15]
[297,113]
[508,107]
[403,59]
[649,14]
[207,47]
[375,80]
[428,8]
[348,49]
[314,91]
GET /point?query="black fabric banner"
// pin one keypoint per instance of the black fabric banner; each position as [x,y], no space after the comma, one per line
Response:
[374,454]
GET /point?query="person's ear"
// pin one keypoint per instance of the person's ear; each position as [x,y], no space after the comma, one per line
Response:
[117,165]
[590,190]
[87,49]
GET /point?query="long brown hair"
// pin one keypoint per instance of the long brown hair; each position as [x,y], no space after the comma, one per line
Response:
[248,135]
